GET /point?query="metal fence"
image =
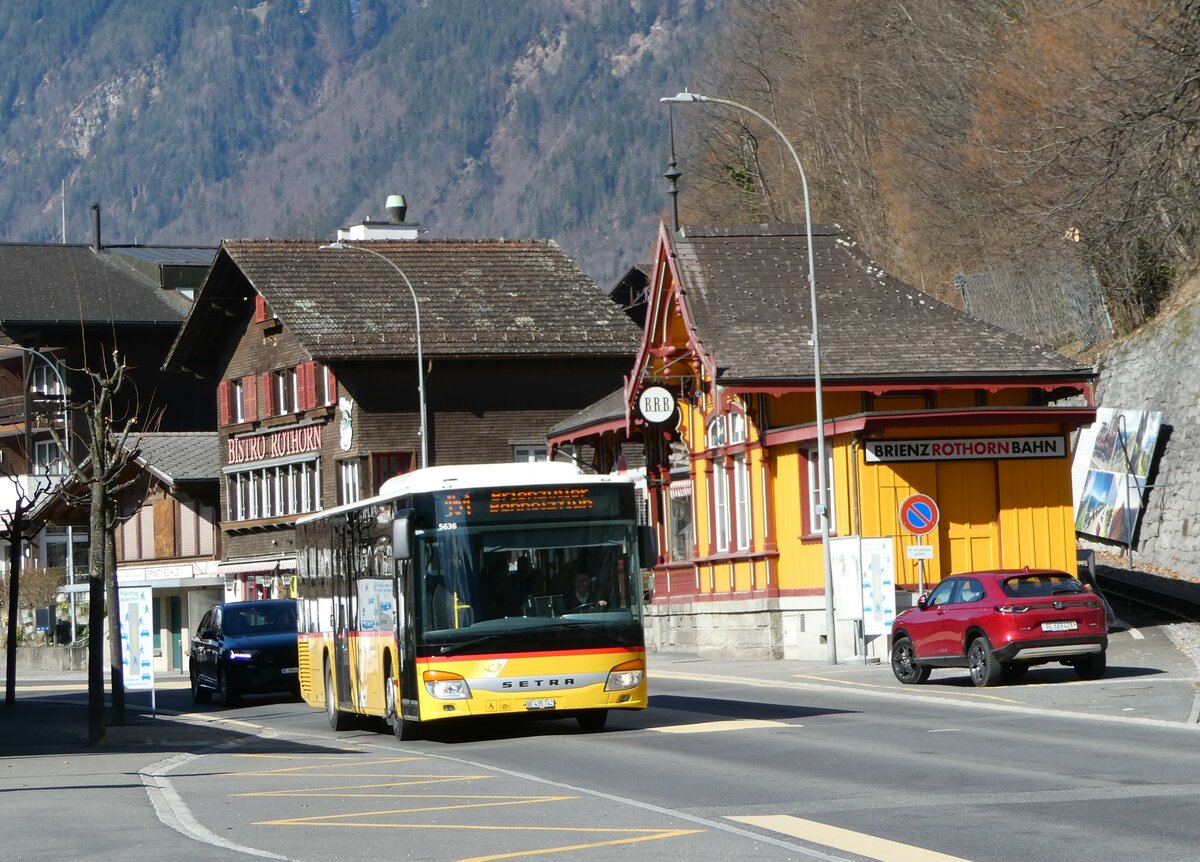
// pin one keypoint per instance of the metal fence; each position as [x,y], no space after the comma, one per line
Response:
[1053,301]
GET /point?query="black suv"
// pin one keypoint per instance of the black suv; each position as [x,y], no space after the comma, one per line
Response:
[245,647]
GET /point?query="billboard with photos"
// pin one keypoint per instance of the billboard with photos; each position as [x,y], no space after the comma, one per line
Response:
[1112,462]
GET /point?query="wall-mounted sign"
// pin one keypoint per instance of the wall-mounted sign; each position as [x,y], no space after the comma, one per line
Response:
[965,448]
[919,514]
[1110,472]
[656,404]
[274,444]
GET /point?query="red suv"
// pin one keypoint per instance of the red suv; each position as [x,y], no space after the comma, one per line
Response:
[998,624]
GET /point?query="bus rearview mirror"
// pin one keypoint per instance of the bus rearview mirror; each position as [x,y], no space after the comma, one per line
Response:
[403,535]
[647,546]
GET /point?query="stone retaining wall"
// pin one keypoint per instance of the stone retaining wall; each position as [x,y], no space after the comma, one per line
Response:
[1159,369]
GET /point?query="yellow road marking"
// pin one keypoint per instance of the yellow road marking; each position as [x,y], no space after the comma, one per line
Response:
[924,689]
[520,853]
[320,791]
[844,839]
[718,726]
[497,802]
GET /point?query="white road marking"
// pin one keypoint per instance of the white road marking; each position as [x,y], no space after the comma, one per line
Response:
[1136,635]
[846,840]
[719,726]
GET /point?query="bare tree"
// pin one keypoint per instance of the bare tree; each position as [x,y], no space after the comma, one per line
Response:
[96,481]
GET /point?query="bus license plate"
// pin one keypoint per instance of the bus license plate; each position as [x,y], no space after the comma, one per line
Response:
[544,703]
[1060,626]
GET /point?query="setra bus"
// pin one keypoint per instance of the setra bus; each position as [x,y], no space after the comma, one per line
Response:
[477,590]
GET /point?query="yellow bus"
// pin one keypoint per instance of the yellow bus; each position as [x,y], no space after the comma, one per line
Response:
[480,590]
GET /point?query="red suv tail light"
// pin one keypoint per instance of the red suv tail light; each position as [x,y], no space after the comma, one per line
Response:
[1012,609]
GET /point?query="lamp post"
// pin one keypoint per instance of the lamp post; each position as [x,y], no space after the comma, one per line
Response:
[822,487]
[341,246]
[62,389]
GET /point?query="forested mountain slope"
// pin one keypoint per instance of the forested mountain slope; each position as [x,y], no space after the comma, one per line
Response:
[194,121]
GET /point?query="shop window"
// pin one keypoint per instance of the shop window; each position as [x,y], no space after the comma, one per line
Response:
[720,498]
[273,492]
[812,522]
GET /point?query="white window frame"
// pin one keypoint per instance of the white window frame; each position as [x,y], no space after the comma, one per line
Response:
[44,381]
[741,500]
[530,453]
[287,391]
[814,489]
[275,491]
[349,480]
[47,459]
[720,498]
[237,405]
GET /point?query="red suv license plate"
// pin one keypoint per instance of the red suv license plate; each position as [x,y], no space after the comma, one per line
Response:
[1060,626]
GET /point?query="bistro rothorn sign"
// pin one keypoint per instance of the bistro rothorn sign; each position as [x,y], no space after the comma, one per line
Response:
[275,444]
[968,447]
[656,404]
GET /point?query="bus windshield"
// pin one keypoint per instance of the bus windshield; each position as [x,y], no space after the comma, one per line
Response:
[536,586]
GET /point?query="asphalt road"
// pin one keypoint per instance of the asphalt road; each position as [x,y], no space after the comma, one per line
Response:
[733,760]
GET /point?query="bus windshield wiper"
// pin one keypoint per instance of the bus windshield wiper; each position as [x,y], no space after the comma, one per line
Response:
[591,629]
[448,649]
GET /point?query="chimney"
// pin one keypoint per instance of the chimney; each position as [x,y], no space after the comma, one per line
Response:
[394,228]
[96,246]
[396,208]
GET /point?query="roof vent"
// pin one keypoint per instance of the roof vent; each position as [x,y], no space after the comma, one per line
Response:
[396,208]
[394,228]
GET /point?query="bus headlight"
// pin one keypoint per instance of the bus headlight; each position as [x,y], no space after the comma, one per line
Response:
[446,686]
[625,676]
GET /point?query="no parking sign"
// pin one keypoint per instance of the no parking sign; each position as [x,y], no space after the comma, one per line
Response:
[919,514]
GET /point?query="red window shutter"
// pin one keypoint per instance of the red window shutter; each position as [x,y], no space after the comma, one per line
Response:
[330,387]
[249,398]
[308,385]
[266,398]
[223,402]
[260,308]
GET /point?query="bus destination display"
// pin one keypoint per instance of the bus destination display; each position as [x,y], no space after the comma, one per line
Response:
[504,503]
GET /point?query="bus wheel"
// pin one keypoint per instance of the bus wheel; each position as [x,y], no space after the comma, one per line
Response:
[405,729]
[338,720]
[592,720]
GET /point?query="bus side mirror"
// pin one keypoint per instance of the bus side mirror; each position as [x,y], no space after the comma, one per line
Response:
[647,546]
[403,535]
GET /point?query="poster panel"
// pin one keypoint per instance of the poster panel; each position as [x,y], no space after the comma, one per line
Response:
[137,638]
[1112,462]
[878,585]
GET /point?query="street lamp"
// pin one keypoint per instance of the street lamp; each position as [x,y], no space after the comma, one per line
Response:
[342,246]
[822,488]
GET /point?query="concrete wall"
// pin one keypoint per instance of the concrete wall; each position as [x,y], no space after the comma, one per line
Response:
[788,628]
[1159,369]
[49,659]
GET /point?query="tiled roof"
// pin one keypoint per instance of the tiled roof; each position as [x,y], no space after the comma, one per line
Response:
[183,456]
[747,289]
[609,408]
[477,297]
[69,284]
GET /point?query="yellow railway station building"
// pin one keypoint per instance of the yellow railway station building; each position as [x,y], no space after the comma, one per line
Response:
[918,398]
